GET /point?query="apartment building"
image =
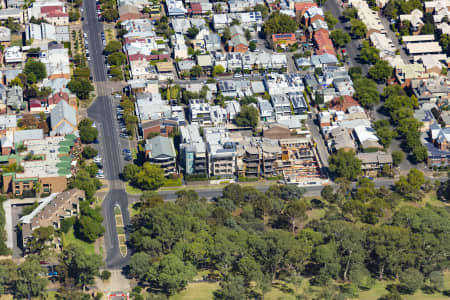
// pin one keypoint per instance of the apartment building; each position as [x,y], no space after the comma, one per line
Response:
[192,151]
[221,153]
[50,212]
[45,164]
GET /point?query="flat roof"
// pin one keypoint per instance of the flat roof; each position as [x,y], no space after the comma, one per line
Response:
[425,47]
[418,38]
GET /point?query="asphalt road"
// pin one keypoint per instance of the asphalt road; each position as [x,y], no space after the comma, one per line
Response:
[101,111]
[215,192]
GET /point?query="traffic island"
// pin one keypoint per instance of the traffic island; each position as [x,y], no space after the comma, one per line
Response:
[120,231]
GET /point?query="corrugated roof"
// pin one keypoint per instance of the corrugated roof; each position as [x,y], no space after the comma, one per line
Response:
[160,145]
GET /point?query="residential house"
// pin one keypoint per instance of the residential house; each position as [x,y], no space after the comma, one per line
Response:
[13,55]
[266,110]
[283,40]
[340,138]
[373,163]
[413,21]
[14,96]
[200,112]
[5,34]
[175,8]
[161,151]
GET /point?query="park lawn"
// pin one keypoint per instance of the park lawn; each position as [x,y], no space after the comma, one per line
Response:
[197,291]
[132,190]
[379,290]
[71,239]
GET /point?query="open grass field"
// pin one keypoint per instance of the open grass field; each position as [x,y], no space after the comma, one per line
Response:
[71,239]
[287,291]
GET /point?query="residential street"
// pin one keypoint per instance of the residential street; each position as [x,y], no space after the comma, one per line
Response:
[101,111]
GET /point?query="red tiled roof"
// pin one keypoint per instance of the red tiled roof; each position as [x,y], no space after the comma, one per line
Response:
[348,102]
[283,37]
[301,8]
[196,8]
[51,9]
[35,103]
[323,42]
[57,14]
[57,97]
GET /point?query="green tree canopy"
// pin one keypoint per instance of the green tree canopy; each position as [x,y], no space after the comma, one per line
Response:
[35,67]
[248,117]
[113,46]
[345,164]
[171,274]
[340,37]
[279,23]
[359,29]
[81,87]
[381,71]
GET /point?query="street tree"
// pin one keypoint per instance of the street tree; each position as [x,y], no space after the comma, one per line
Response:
[381,71]
[397,157]
[359,29]
[366,92]
[81,87]
[330,19]
[112,47]
[340,37]
[89,152]
[369,54]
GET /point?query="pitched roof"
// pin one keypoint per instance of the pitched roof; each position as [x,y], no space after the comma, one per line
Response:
[63,111]
[160,145]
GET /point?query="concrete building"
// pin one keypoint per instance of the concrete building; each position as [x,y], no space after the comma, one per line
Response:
[161,151]
[193,151]
[221,153]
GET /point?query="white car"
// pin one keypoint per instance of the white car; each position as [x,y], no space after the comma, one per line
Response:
[100,176]
[97,159]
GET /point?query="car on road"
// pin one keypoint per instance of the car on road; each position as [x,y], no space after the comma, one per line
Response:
[126,151]
[128,158]
[98,159]
[124,135]
[100,175]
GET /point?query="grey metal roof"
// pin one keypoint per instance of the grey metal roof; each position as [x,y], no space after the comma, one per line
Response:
[31,134]
[160,145]
[62,111]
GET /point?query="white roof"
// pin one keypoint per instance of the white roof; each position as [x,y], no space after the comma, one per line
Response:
[426,47]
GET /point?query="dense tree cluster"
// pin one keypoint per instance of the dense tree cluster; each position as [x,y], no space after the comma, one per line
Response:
[249,238]
[400,108]
[279,23]
[88,133]
[345,164]
[247,117]
[146,177]
[35,70]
